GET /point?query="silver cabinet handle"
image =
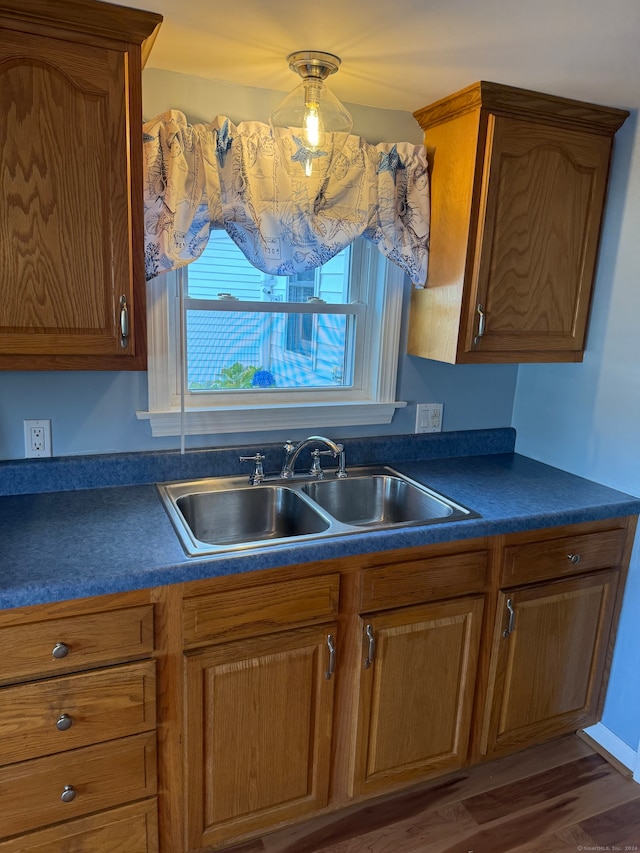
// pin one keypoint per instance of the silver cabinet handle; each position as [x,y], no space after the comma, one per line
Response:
[573,558]
[68,794]
[60,650]
[332,656]
[64,722]
[371,653]
[124,321]
[482,319]
[512,619]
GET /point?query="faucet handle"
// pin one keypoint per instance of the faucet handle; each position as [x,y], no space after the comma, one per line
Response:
[258,474]
[316,469]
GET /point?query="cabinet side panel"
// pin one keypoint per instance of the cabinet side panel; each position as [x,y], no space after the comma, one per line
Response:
[435,310]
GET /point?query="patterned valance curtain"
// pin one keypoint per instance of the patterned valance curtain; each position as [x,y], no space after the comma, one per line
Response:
[218,175]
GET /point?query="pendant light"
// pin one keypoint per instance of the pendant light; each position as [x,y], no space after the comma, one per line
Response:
[310,127]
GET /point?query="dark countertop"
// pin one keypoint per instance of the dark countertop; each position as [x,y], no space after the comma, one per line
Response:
[58,545]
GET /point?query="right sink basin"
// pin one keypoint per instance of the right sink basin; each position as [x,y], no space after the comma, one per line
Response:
[378,500]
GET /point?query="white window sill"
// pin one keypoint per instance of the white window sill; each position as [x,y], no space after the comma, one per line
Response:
[242,419]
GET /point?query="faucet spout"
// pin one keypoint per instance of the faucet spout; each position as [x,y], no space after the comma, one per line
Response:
[293,451]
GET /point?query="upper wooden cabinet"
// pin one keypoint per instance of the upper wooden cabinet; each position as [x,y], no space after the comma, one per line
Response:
[518,185]
[71,256]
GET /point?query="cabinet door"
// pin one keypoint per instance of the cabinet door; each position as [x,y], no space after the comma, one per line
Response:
[67,267]
[259,719]
[549,651]
[541,208]
[417,686]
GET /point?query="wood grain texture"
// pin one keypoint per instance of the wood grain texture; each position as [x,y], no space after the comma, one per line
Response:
[105,20]
[518,182]
[551,798]
[218,617]
[105,775]
[259,720]
[401,583]
[539,226]
[71,210]
[93,639]
[547,674]
[103,705]
[551,557]
[128,829]
[499,98]
[417,694]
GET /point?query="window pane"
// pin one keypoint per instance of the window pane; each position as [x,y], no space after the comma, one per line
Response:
[241,350]
[223,269]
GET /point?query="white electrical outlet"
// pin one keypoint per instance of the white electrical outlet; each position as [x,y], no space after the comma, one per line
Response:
[37,438]
[429,417]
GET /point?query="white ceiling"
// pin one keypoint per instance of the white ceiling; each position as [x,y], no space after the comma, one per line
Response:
[403,54]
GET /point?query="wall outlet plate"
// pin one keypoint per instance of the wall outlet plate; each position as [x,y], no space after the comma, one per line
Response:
[429,417]
[37,439]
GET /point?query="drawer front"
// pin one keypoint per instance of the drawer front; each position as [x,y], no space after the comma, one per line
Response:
[75,642]
[96,777]
[415,581]
[45,717]
[128,829]
[218,617]
[556,558]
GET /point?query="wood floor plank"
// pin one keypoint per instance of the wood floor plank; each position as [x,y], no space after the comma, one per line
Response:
[541,787]
[554,798]
[568,840]
[331,829]
[617,827]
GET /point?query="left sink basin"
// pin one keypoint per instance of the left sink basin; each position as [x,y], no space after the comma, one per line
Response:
[208,521]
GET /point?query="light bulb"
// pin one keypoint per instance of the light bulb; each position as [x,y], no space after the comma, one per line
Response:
[312,124]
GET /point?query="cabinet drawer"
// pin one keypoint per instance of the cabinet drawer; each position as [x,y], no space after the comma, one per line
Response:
[400,584]
[218,617]
[81,641]
[97,706]
[555,558]
[102,776]
[128,829]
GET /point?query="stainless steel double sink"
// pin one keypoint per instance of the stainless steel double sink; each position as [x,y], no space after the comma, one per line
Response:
[226,514]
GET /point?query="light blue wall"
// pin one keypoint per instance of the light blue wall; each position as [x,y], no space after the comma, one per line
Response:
[95,412]
[585,418]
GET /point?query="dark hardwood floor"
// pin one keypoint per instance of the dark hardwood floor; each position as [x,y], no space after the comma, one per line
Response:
[561,797]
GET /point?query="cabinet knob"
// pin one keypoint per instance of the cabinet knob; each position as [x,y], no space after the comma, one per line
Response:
[68,794]
[573,558]
[60,650]
[64,722]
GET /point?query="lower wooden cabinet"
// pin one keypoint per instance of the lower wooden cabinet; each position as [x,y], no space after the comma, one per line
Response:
[417,689]
[258,728]
[237,704]
[548,656]
[78,727]
[296,691]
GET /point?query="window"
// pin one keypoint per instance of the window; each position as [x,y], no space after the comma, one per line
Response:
[266,352]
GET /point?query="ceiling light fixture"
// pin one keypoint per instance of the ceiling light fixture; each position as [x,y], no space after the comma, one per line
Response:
[311,126]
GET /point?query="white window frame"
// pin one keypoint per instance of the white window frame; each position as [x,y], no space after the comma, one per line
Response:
[370,400]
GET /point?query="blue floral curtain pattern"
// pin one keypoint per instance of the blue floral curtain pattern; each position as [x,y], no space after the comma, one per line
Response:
[218,175]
